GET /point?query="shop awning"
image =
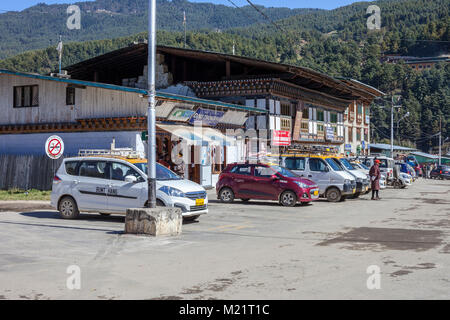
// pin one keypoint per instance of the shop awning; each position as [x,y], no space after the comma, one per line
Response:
[197,135]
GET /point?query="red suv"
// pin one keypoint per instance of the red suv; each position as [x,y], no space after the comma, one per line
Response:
[264,182]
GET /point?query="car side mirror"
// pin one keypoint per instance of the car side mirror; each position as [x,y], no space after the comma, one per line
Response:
[327,169]
[130,179]
[275,177]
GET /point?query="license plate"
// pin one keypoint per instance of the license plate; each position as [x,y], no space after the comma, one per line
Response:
[199,202]
[316,192]
[354,190]
[367,188]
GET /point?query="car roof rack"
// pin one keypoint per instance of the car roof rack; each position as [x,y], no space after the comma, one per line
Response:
[123,152]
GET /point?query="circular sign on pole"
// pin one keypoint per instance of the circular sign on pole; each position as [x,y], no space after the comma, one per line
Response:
[54,147]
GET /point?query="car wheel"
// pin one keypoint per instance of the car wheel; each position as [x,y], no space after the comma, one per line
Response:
[68,208]
[191,218]
[226,195]
[333,195]
[288,199]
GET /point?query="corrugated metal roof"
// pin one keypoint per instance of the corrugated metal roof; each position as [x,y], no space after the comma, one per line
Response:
[161,95]
[384,146]
[427,155]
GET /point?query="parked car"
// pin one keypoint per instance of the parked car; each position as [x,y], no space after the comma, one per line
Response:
[264,182]
[365,169]
[440,172]
[405,178]
[111,185]
[405,168]
[383,181]
[362,181]
[335,184]
[386,165]
[411,172]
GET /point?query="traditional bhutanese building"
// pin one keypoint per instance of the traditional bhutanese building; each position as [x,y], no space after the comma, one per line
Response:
[302,107]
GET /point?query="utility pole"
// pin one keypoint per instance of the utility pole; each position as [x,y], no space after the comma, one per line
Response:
[392,128]
[440,139]
[184,23]
[151,113]
[60,52]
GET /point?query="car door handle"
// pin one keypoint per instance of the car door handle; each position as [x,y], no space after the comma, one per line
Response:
[76,181]
[239,180]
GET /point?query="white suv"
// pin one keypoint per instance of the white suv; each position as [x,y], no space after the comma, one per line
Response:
[111,185]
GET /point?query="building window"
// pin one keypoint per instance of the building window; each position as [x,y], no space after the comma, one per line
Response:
[350,134]
[320,128]
[333,117]
[26,96]
[285,109]
[320,115]
[358,134]
[305,113]
[70,96]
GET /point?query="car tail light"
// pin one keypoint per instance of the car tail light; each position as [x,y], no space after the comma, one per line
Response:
[56,178]
[440,172]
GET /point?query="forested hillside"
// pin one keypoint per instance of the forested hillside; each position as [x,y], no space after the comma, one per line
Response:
[335,42]
[40,26]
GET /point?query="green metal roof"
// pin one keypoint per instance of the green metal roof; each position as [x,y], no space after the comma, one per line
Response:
[162,95]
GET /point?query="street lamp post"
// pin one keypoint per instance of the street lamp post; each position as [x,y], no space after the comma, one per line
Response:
[151,113]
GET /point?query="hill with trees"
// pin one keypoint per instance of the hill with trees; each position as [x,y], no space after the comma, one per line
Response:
[40,26]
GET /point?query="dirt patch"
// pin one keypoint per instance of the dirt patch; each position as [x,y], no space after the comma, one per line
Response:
[366,238]
[168,298]
[426,193]
[445,249]
[443,223]
[433,201]
[400,273]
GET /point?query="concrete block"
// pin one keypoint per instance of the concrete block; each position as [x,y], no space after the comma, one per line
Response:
[154,221]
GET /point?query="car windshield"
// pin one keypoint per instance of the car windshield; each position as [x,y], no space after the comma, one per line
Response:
[284,172]
[333,164]
[362,165]
[383,163]
[347,164]
[162,173]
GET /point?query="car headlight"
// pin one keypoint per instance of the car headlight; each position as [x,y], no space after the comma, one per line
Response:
[301,184]
[359,180]
[173,192]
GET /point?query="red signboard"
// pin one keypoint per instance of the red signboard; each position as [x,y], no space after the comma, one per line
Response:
[281,138]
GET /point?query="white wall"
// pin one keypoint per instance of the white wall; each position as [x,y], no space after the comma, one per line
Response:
[90,102]
[34,144]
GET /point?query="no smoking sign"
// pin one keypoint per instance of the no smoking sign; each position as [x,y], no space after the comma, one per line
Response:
[54,147]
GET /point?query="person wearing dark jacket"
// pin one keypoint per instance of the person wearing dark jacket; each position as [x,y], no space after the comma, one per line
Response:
[375,176]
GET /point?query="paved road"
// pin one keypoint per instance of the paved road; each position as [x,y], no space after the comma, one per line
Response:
[241,251]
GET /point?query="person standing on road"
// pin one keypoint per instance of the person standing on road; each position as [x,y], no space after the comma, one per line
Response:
[425,171]
[375,176]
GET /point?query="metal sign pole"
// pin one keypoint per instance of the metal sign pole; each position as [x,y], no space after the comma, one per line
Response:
[151,116]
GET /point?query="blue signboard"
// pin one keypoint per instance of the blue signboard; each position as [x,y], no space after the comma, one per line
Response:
[348,147]
[330,133]
[363,144]
[207,117]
